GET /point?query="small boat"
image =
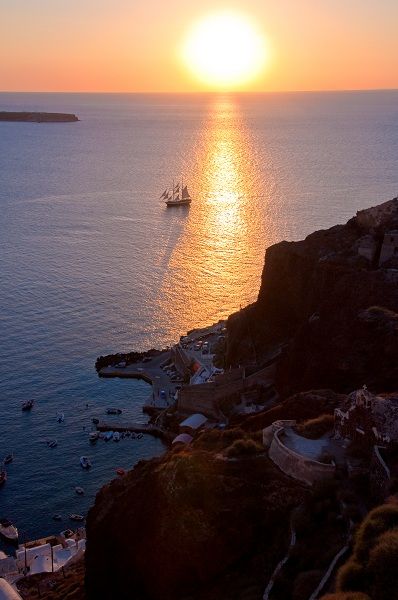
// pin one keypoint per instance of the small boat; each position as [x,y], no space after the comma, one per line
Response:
[108,436]
[113,411]
[8,531]
[52,443]
[116,436]
[93,436]
[74,517]
[60,417]
[85,462]
[3,476]
[121,472]
[79,490]
[57,517]
[95,420]
[8,459]
[172,195]
[27,405]
[139,436]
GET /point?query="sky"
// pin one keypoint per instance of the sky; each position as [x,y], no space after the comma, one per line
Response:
[135,45]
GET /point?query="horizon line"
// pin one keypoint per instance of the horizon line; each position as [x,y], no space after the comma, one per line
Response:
[193,92]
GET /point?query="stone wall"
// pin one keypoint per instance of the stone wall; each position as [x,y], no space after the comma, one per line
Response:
[296,465]
[269,432]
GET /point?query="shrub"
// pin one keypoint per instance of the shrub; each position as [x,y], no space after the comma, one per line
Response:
[351,577]
[383,560]
[316,428]
[243,447]
[377,522]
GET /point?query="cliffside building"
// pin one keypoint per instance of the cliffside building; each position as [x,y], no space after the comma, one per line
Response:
[369,419]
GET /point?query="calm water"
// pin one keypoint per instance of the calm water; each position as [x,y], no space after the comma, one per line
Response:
[93,262]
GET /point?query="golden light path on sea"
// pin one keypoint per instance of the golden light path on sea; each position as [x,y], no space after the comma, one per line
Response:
[216,264]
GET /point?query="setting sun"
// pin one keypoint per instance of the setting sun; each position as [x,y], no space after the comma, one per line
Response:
[225,50]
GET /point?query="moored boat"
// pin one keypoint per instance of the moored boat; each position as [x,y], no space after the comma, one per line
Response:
[27,405]
[8,459]
[74,517]
[113,411]
[93,436]
[85,462]
[60,417]
[79,490]
[57,517]
[8,531]
[116,436]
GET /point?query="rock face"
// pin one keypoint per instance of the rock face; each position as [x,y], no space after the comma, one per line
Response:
[176,527]
[38,117]
[333,308]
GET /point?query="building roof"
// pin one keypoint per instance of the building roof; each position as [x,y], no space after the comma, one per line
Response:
[7,592]
[183,438]
[194,421]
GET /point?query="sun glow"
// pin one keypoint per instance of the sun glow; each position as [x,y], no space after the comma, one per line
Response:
[225,51]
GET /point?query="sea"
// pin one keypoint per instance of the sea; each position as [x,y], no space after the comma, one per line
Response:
[93,262]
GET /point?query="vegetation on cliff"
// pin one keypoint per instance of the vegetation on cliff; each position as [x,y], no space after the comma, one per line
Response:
[372,567]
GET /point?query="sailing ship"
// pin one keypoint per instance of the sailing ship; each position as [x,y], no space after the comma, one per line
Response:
[176,195]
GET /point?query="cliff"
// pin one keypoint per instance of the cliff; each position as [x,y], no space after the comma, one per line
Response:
[195,525]
[177,527]
[38,117]
[330,304]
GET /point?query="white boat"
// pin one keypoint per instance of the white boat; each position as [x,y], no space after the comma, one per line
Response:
[8,531]
[85,462]
[74,517]
[93,436]
[108,436]
[116,436]
[79,490]
[176,195]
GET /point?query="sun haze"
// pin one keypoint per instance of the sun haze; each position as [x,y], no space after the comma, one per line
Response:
[224,50]
[180,46]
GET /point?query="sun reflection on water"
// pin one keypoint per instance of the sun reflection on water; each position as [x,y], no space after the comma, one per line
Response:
[216,265]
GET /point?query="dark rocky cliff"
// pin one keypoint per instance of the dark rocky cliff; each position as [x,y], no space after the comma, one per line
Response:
[194,525]
[177,527]
[332,308]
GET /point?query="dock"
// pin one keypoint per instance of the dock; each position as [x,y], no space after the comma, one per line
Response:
[146,428]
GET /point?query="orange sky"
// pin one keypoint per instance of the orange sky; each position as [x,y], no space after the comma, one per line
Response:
[133,45]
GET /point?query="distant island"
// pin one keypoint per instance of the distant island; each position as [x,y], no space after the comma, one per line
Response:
[38,117]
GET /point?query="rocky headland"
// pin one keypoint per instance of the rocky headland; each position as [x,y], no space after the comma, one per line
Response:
[38,117]
[213,519]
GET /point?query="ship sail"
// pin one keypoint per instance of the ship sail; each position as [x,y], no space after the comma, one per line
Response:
[185,194]
[177,195]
